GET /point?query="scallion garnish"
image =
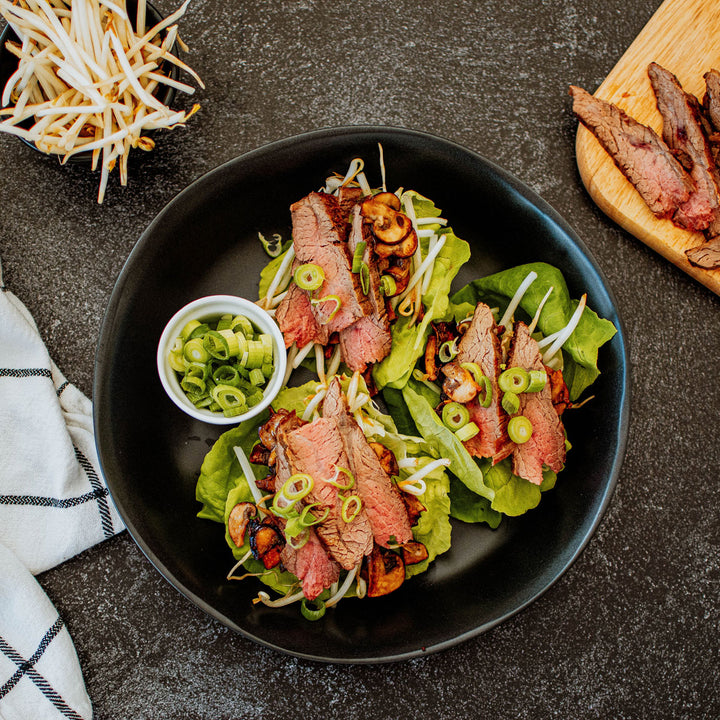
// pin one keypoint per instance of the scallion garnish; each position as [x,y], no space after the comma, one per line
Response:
[309,276]
[358,256]
[519,429]
[515,379]
[351,507]
[455,416]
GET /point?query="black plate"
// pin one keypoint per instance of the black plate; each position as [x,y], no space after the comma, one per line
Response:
[205,242]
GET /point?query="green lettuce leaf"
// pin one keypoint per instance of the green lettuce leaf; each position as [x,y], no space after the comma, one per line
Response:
[515,495]
[580,352]
[408,341]
[270,270]
[465,505]
[444,440]
[433,529]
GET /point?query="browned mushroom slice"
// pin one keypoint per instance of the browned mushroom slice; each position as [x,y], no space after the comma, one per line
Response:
[431,369]
[414,552]
[386,458]
[389,199]
[385,571]
[404,249]
[377,213]
[413,506]
[266,542]
[459,384]
[238,521]
[395,231]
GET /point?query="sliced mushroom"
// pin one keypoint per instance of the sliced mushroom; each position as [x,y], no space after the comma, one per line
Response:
[386,458]
[403,249]
[238,521]
[414,552]
[459,385]
[558,390]
[431,369]
[266,542]
[389,199]
[394,231]
[413,506]
[385,571]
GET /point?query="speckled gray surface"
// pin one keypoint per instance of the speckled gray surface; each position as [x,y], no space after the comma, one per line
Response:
[631,630]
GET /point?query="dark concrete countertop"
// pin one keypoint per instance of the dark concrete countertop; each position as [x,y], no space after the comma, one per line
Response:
[631,630]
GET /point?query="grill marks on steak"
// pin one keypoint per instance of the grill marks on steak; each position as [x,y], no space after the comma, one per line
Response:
[685,134]
[638,151]
[481,344]
[677,175]
[317,449]
[546,445]
[321,224]
[382,502]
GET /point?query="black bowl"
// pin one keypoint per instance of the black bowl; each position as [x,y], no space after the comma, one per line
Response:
[205,241]
[164,93]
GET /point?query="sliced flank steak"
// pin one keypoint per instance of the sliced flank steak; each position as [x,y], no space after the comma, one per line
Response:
[310,563]
[317,449]
[368,340]
[481,344]
[297,321]
[685,135]
[546,445]
[711,101]
[382,501]
[640,154]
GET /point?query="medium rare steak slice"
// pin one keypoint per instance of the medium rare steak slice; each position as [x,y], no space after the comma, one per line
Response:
[480,344]
[297,321]
[317,449]
[320,237]
[309,563]
[706,255]
[711,102]
[381,498]
[546,445]
[684,134]
[638,151]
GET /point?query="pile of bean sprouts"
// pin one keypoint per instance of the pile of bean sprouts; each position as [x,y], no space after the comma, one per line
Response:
[87,75]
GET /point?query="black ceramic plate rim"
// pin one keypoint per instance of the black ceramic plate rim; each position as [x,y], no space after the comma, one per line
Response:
[530,197]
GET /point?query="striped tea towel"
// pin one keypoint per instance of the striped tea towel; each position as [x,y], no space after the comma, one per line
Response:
[53,502]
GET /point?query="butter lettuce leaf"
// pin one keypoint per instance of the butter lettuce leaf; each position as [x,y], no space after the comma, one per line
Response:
[580,351]
[408,341]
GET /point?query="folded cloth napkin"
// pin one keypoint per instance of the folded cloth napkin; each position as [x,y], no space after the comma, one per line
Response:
[53,504]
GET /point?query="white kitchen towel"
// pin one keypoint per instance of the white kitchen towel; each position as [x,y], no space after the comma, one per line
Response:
[40,675]
[53,504]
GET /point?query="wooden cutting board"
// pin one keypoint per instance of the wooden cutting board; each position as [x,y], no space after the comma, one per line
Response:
[684,37]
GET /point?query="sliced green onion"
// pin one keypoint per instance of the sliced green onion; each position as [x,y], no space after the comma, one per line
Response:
[520,429]
[217,345]
[510,403]
[312,609]
[267,342]
[272,247]
[199,331]
[474,369]
[241,324]
[514,379]
[309,276]
[349,501]
[224,323]
[486,391]
[357,260]
[538,380]
[254,398]
[297,524]
[290,491]
[448,351]
[193,385]
[455,415]
[334,480]
[365,278]
[388,285]
[467,431]
[194,351]
[255,356]
[187,331]
[226,375]
[256,376]
[177,362]
[228,397]
[328,298]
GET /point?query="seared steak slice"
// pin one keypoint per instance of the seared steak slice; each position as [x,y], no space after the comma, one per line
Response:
[347,198]
[638,151]
[320,237]
[309,563]
[711,101]
[368,340]
[706,255]
[317,449]
[480,344]
[381,498]
[546,445]
[297,321]
[684,133]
